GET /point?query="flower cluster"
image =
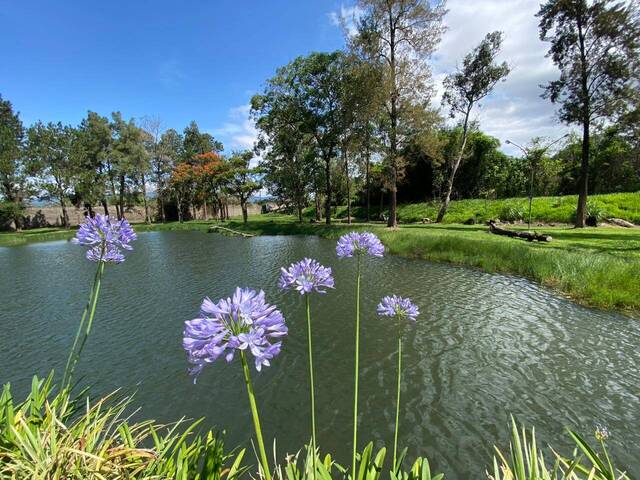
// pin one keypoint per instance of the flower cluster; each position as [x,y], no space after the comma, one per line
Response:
[105,237]
[602,433]
[305,276]
[356,243]
[243,322]
[398,307]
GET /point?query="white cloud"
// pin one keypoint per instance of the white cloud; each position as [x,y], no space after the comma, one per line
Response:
[239,132]
[515,110]
[346,18]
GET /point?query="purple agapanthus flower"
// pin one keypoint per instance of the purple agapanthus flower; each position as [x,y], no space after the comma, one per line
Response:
[105,237]
[398,307]
[243,322]
[306,276]
[359,243]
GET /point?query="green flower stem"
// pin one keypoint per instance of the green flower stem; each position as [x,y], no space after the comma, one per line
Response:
[256,419]
[357,361]
[90,308]
[395,435]
[313,401]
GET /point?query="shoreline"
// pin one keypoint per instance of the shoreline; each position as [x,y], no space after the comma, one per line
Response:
[596,267]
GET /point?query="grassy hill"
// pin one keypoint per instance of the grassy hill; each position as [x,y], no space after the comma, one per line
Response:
[544,209]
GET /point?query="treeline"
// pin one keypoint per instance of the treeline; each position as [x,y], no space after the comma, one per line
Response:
[116,164]
[360,124]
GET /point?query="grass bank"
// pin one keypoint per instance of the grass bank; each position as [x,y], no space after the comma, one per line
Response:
[599,267]
[594,266]
[544,209]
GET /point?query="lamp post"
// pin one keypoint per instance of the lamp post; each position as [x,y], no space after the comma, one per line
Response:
[527,154]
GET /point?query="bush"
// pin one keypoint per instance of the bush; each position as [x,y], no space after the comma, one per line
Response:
[512,212]
[55,435]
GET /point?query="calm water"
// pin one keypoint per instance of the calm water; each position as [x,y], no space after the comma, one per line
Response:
[485,346]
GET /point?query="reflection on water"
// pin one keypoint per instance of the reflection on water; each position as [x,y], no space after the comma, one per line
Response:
[484,346]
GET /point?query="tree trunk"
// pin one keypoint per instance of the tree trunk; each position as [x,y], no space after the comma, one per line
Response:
[105,206]
[121,200]
[318,208]
[368,185]
[393,204]
[161,207]
[583,182]
[346,172]
[454,169]
[65,215]
[245,213]
[299,207]
[179,202]
[327,200]
[147,217]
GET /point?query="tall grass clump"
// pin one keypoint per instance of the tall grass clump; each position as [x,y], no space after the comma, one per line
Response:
[526,461]
[54,435]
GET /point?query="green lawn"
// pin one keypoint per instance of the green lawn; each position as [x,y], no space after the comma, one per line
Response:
[544,209]
[595,266]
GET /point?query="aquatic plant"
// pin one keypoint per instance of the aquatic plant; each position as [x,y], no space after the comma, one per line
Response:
[399,308]
[307,276]
[105,238]
[239,323]
[358,244]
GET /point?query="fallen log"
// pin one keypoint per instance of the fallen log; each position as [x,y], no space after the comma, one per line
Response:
[620,222]
[529,236]
[219,228]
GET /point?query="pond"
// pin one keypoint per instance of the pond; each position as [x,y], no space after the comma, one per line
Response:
[484,347]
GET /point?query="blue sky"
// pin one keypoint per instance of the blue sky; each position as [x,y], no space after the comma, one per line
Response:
[187,60]
[202,60]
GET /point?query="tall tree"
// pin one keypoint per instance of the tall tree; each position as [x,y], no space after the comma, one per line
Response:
[243,180]
[52,159]
[94,140]
[196,142]
[595,44]
[311,89]
[12,168]
[287,151]
[152,128]
[464,89]
[127,158]
[170,153]
[402,35]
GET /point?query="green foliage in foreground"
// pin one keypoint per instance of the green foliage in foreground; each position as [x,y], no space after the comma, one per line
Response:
[55,435]
[526,461]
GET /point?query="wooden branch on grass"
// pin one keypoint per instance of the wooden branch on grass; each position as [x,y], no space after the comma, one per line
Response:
[529,236]
[214,228]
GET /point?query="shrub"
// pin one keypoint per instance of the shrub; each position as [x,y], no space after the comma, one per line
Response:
[55,435]
[512,212]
